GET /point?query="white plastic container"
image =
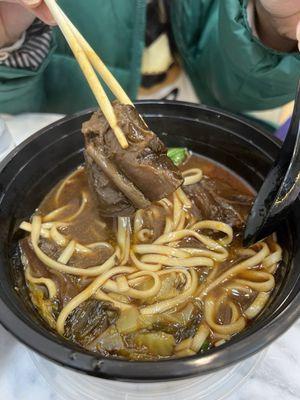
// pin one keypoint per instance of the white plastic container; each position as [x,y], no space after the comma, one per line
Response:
[71,385]
[6,140]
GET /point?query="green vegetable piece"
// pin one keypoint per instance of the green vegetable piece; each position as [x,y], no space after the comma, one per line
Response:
[177,155]
[110,340]
[89,320]
[158,343]
[47,307]
[128,321]
[206,345]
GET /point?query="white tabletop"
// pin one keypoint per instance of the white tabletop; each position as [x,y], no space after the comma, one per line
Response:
[277,377]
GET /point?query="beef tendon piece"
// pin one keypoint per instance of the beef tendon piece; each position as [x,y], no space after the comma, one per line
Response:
[124,180]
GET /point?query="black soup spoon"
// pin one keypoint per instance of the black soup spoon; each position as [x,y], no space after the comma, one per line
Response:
[281,186]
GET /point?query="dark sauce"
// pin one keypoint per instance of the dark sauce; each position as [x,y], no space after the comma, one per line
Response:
[93,324]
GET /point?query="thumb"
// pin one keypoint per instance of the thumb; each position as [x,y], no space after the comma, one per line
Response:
[32,3]
[298,34]
[39,8]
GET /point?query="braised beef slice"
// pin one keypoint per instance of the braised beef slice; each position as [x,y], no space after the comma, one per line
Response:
[217,200]
[124,180]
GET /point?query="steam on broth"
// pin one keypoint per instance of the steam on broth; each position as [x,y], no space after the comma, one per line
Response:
[171,281]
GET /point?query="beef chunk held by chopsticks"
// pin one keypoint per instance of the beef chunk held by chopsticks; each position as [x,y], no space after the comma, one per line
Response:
[124,180]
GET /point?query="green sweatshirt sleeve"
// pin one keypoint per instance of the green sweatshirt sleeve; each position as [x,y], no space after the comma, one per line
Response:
[23,90]
[228,66]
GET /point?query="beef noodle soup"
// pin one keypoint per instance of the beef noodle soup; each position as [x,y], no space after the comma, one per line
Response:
[170,281]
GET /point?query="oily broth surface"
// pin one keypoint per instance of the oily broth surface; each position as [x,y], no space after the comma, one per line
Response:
[89,228]
[215,170]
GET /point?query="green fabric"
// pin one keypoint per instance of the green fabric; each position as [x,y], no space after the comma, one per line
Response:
[114,34]
[227,65]
[114,28]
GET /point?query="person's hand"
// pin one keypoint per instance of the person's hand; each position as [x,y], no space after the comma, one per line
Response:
[17,15]
[278,23]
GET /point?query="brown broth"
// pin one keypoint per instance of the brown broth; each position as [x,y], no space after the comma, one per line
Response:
[101,324]
[215,170]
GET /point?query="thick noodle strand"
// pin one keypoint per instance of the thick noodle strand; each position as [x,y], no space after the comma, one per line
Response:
[91,271]
[165,305]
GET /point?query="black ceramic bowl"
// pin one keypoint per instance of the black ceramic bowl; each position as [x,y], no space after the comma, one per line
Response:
[32,169]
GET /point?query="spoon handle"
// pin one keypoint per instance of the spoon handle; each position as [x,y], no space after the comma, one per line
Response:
[281,186]
[288,163]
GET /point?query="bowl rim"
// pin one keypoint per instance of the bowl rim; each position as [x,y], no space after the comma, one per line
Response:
[138,371]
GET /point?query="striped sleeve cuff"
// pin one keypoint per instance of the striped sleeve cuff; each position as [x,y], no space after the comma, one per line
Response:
[33,50]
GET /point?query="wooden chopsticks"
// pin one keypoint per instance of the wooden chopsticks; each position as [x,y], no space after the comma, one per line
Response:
[88,60]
